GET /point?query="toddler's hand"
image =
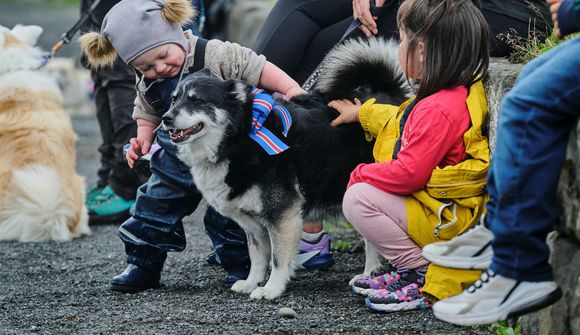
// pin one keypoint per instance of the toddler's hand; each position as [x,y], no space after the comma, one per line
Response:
[140,145]
[348,111]
[294,91]
[138,148]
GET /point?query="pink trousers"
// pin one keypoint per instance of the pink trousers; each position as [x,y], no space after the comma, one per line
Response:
[381,219]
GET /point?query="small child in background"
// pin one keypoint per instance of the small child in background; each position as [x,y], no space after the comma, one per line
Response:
[428,182]
[147,35]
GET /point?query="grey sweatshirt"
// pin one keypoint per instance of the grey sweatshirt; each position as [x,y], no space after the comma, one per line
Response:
[223,59]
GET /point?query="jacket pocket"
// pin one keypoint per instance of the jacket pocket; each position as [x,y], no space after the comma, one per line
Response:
[465,189]
[447,227]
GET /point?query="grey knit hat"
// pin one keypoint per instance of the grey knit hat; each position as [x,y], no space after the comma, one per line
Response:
[136,26]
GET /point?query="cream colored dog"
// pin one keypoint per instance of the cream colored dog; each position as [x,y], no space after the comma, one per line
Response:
[41,195]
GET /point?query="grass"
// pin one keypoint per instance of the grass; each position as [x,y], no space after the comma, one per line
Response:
[526,49]
[504,328]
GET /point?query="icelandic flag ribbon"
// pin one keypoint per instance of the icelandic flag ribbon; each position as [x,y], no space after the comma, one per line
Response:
[262,106]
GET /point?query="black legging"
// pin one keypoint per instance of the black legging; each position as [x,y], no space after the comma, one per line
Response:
[298,33]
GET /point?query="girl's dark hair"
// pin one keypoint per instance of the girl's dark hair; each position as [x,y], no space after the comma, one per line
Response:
[456,38]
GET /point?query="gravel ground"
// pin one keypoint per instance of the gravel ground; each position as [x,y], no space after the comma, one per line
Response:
[62,288]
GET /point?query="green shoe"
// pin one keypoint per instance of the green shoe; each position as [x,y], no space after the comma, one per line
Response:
[93,193]
[108,207]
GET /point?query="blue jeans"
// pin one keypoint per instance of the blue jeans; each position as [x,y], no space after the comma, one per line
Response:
[156,225]
[536,119]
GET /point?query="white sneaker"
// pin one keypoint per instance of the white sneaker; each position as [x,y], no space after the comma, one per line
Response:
[493,298]
[470,250]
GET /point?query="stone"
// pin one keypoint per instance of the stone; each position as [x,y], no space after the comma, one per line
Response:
[564,316]
[502,76]
[287,312]
[569,190]
[246,19]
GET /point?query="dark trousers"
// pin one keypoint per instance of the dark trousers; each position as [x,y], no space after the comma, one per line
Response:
[536,119]
[114,101]
[156,223]
[298,33]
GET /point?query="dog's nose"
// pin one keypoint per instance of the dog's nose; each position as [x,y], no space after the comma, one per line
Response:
[167,117]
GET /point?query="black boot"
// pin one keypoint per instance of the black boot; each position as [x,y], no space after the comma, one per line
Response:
[135,279]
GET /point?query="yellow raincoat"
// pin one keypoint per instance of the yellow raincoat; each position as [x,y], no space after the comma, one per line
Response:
[454,197]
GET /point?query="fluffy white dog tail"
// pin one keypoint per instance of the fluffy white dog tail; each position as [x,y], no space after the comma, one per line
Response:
[36,209]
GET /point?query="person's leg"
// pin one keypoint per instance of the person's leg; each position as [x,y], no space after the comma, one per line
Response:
[536,118]
[156,225]
[106,128]
[121,99]
[229,243]
[288,31]
[115,193]
[381,219]
[330,35]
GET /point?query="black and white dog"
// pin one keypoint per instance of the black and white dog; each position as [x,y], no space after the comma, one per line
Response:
[270,196]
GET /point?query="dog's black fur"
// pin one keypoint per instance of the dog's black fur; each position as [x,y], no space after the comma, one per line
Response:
[266,193]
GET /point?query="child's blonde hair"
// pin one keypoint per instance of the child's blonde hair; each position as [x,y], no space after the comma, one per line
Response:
[133,27]
[456,38]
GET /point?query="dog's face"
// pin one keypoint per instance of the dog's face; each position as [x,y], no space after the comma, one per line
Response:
[207,107]
[17,51]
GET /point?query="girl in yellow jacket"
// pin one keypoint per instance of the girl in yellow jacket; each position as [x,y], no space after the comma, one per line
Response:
[428,181]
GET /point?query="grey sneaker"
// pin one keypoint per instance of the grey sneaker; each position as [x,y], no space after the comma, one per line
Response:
[470,250]
[493,298]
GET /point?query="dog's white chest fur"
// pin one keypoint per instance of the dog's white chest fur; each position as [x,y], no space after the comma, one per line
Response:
[209,179]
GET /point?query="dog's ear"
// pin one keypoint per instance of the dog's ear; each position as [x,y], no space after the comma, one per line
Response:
[27,34]
[237,90]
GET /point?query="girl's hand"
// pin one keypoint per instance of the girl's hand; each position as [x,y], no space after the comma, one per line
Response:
[348,111]
[361,10]
[140,145]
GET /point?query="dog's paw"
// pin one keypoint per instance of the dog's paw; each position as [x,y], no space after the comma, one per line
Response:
[244,286]
[359,276]
[266,293]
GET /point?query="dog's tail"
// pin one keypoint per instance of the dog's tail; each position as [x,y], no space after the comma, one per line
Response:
[363,68]
[37,208]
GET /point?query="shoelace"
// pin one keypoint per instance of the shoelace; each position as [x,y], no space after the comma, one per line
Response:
[483,279]
[404,280]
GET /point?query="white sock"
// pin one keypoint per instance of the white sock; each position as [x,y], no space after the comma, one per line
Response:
[311,237]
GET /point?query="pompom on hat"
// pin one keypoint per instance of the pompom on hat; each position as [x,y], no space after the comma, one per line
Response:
[133,27]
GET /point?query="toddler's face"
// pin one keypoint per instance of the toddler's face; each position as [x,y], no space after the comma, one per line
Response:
[164,61]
